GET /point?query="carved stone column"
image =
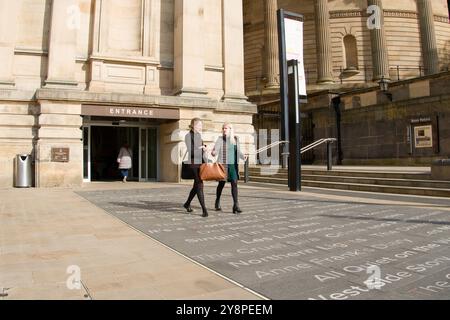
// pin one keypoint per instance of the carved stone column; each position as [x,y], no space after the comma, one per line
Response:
[271,41]
[323,42]
[8,29]
[233,50]
[428,37]
[380,57]
[63,45]
[189,49]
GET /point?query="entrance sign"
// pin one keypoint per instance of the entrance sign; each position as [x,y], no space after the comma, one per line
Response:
[130,112]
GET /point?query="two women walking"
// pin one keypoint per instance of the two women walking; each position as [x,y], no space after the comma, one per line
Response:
[227,149]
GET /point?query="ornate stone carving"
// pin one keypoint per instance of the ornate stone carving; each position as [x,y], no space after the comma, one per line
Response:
[387,13]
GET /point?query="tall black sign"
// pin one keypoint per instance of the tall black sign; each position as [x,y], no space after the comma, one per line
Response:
[294,128]
[292,87]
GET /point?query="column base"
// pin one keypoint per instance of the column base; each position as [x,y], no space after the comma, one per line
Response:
[234,98]
[325,81]
[191,92]
[61,84]
[271,90]
[96,86]
[153,91]
[272,86]
[7,83]
[378,78]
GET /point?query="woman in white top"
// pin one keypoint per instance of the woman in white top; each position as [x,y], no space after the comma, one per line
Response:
[125,161]
[228,149]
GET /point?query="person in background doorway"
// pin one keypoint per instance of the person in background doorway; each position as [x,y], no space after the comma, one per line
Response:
[125,161]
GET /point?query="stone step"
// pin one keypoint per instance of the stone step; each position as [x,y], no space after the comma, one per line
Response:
[372,175]
[423,191]
[343,173]
[380,181]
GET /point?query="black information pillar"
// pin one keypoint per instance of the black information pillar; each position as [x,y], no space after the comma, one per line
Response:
[289,100]
[294,127]
[284,107]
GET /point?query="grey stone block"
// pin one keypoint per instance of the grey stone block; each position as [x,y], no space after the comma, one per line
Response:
[440,169]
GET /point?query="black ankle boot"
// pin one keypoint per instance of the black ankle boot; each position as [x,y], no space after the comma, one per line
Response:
[201,199]
[217,205]
[188,207]
[236,209]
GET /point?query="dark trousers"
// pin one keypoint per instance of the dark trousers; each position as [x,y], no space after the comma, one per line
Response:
[197,188]
[234,191]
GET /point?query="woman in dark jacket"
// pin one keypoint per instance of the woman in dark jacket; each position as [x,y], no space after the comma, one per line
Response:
[229,152]
[195,152]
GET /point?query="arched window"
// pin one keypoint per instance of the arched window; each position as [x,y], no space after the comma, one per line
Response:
[350,52]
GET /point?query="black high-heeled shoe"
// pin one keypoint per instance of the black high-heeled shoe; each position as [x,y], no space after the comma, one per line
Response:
[188,207]
[236,210]
[205,213]
[217,205]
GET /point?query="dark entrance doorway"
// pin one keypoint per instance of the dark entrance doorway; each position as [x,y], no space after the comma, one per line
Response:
[105,146]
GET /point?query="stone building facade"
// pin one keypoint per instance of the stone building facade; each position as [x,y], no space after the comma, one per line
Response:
[81,77]
[414,36]
[344,61]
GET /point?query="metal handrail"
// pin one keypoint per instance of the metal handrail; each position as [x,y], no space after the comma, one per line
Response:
[268,147]
[313,145]
[317,143]
[246,164]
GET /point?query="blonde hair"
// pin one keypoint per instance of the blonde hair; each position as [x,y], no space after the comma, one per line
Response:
[193,122]
[232,137]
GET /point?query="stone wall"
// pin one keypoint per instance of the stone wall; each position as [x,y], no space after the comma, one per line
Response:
[377,131]
[58,55]
[119,46]
[51,118]
[18,117]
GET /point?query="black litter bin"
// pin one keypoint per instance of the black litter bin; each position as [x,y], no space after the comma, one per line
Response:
[22,174]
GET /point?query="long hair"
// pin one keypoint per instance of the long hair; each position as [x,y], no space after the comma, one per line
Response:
[193,122]
[231,136]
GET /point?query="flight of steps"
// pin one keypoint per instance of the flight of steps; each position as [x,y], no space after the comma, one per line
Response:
[360,179]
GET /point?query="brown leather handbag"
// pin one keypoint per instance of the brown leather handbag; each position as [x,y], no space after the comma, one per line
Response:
[212,172]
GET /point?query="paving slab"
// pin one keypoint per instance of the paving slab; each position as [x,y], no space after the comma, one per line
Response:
[135,241]
[44,233]
[298,245]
